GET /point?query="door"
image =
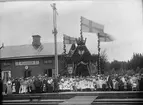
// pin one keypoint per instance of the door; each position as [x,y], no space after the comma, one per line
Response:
[49,72]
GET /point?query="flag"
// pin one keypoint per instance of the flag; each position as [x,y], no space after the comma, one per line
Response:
[90,26]
[104,37]
[69,40]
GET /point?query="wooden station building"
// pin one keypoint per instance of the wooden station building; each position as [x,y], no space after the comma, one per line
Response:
[31,59]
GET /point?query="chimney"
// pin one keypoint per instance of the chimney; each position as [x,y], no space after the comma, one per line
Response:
[36,41]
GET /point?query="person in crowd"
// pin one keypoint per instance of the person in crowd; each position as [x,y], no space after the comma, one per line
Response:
[55,84]
[4,87]
[28,85]
[104,85]
[49,84]
[9,86]
[37,84]
[13,87]
[17,86]
[97,84]
[21,90]
[25,85]
[134,83]
[109,83]
[115,85]
[32,86]
[44,85]
[74,85]
[125,84]
[129,85]
[141,83]
[101,81]
[121,84]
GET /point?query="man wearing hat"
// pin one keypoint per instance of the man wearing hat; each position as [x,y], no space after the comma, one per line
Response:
[17,85]
[37,84]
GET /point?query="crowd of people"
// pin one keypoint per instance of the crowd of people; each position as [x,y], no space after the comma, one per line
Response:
[44,84]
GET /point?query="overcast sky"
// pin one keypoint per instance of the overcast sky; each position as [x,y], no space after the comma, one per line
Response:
[121,18]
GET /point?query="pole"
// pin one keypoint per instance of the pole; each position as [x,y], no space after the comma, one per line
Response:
[0,60]
[99,69]
[55,38]
[81,28]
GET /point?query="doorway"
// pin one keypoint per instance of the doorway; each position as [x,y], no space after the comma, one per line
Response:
[49,72]
[82,70]
[6,75]
[27,73]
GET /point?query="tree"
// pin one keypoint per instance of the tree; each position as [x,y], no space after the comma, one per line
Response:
[115,64]
[136,61]
[104,63]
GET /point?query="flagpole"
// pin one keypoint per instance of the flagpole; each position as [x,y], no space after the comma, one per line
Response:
[99,69]
[55,37]
[81,28]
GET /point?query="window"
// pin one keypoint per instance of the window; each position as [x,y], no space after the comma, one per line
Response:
[48,61]
[6,63]
[37,62]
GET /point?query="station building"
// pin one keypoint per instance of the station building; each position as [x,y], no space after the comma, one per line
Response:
[31,59]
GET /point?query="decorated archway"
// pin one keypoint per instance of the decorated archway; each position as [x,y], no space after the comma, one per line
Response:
[80,58]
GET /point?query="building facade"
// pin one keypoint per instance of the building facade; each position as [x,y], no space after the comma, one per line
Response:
[30,60]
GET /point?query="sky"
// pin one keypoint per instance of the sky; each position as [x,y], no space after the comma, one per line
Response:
[123,19]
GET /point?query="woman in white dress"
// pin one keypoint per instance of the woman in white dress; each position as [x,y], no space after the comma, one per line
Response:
[9,86]
[21,90]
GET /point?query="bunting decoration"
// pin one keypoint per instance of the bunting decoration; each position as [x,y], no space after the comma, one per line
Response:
[64,46]
[64,54]
[99,71]
[68,40]
[82,63]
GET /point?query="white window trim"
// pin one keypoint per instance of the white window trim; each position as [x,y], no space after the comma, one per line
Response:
[2,74]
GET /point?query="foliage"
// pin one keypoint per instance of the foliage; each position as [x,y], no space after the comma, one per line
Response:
[134,65]
[136,61]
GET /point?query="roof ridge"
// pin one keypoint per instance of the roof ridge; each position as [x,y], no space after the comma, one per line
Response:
[28,44]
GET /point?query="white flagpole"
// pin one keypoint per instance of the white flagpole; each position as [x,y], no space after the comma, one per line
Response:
[55,38]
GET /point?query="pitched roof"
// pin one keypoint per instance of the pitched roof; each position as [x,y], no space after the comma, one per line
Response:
[28,51]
